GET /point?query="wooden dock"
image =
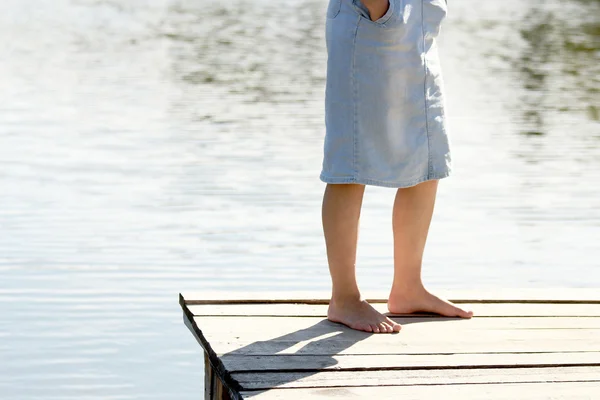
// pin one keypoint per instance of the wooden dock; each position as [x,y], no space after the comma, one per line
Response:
[525,345]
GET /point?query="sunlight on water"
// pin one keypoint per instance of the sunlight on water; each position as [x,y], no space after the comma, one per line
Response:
[153,147]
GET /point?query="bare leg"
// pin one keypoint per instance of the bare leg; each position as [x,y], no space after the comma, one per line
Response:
[341,214]
[413,209]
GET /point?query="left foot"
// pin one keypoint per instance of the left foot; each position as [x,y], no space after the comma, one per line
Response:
[422,301]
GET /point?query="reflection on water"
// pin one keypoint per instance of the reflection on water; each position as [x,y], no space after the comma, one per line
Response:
[264,53]
[152,147]
[559,63]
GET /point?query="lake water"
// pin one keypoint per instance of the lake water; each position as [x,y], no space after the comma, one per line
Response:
[157,146]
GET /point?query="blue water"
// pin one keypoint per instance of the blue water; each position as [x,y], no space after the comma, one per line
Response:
[153,147]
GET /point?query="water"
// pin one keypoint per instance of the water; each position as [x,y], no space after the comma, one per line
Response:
[158,146]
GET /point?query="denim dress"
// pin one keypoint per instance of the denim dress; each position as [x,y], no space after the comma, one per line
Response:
[385,121]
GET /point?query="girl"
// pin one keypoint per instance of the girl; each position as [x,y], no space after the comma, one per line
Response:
[385,126]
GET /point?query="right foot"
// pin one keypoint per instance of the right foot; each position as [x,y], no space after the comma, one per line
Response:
[360,315]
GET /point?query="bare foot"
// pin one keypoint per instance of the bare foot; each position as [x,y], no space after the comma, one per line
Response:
[421,300]
[360,315]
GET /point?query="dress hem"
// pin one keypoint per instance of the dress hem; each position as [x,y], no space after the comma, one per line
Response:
[374,182]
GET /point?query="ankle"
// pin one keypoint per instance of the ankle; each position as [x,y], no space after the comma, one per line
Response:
[341,297]
[407,288]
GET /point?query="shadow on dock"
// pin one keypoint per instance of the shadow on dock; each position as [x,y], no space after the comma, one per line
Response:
[323,340]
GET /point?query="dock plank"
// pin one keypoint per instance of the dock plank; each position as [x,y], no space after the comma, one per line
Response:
[448,347]
[319,325]
[320,310]
[267,380]
[521,391]
[356,362]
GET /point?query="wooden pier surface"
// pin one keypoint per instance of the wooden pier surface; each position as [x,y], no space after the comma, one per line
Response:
[520,345]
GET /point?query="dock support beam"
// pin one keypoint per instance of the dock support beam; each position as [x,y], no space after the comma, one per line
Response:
[213,386]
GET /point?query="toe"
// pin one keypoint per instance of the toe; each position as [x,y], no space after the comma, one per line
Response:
[385,327]
[459,312]
[394,325]
[375,328]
